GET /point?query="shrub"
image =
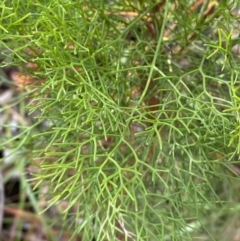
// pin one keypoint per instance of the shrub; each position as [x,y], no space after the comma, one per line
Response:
[134,114]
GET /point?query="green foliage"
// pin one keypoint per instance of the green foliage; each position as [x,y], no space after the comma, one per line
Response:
[136,113]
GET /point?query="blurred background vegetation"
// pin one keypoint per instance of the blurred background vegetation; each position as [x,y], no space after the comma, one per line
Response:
[119,120]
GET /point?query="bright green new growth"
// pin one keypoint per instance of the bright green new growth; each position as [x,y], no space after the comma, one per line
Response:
[135,135]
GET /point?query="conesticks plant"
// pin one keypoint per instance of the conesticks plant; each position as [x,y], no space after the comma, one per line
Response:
[133,121]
